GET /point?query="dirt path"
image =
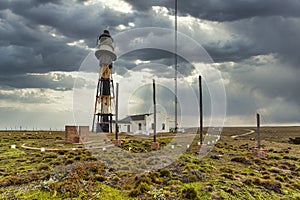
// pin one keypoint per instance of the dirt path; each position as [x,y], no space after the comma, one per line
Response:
[63,149]
[244,134]
[49,149]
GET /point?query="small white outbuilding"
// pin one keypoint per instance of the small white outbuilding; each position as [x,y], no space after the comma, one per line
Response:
[144,123]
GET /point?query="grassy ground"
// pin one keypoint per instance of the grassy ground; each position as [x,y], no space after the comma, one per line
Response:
[230,171]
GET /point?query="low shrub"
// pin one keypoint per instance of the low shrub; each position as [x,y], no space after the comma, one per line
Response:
[228,176]
[266,176]
[174,182]
[100,178]
[192,178]
[189,193]
[143,179]
[116,178]
[280,178]
[241,159]
[165,173]
[268,184]
[227,170]
[69,189]
[134,193]
[157,180]
[295,140]
[43,167]
[141,189]
[11,180]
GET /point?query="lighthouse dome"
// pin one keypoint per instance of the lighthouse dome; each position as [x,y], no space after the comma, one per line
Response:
[105,45]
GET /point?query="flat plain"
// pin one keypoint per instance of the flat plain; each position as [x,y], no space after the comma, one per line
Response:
[229,171]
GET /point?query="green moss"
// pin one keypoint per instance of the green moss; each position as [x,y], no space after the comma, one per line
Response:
[192,166]
[189,193]
[143,179]
[228,176]
[100,178]
[165,173]
[280,178]
[109,193]
[241,159]
[174,182]
[271,178]
[157,180]
[227,170]
[37,194]
[12,154]
[192,178]
[141,189]
[43,167]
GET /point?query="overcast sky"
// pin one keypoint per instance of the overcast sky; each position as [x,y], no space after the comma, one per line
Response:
[253,43]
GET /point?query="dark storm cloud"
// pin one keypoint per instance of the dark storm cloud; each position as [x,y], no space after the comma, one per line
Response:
[27,46]
[26,4]
[259,36]
[154,57]
[51,81]
[273,82]
[230,10]
[235,51]
[76,21]
[146,5]
[37,51]
[263,84]
[271,35]
[34,37]
[258,27]
[148,54]
[226,10]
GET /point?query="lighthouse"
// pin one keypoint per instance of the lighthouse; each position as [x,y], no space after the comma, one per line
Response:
[103,112]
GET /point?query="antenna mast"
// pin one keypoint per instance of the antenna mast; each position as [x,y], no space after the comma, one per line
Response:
[175,62]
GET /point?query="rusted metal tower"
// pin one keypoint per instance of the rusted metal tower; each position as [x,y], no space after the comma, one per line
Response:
[103,112]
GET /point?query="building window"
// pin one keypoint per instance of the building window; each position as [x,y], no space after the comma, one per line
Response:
[140,126]
[163,126]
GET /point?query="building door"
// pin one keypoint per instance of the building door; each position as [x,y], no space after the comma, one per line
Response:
[128,128]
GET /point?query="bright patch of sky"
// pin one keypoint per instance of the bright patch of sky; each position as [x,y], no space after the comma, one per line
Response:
[119,6]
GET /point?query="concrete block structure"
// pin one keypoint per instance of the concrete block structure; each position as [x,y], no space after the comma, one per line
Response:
[259,152]
[76,134]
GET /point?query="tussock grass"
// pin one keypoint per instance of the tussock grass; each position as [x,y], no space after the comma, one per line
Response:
[230,171]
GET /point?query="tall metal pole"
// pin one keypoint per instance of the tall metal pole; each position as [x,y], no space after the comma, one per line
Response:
[201,110]
[258,130]
[117,110]
[154,107]
[175,62]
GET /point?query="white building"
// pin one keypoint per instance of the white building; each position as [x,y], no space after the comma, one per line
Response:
[144,124]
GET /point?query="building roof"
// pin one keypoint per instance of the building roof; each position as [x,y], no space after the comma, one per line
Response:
[131,118]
